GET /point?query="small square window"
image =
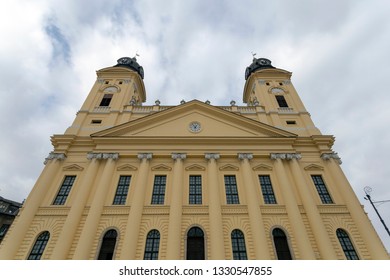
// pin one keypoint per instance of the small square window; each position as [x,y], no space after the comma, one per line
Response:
[96,121]
[120,82]
[291,122]
[106,82]
[267,83]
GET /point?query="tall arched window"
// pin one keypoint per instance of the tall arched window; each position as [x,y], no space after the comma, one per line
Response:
[152,245]
[39,246]
[238,245]
[108,245]
[346,244]
[195,244]
[281,244]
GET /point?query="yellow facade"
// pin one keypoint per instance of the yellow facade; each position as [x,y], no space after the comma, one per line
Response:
[265,183]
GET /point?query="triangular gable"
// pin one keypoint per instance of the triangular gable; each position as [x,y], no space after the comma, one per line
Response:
[262,167]
[175,122]
[161,167]
[73,167]
[195,167]
[126,167]
[313,167]
[229,167]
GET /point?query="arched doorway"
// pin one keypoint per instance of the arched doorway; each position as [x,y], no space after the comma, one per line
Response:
[195,244]
[108,245]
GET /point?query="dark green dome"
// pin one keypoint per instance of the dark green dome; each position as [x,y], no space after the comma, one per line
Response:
[257,64]
[132,64]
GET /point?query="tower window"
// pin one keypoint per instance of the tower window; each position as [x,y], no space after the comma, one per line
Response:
[159,189]
[231,189]
[108,245]
[106,82]
[152,245]
[291,122]
[106,100]
[321,189]
[346,244]
[281,101]
[267,190]
[64,190]
[238,245]
[39,246]
[96,121]
[122,190]
[195,191]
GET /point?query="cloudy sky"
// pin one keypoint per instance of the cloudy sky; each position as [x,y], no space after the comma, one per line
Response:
[338,52]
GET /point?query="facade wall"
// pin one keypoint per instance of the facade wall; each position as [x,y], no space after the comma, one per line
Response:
[130,139]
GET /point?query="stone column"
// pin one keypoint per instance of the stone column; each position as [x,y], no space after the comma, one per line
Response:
[366,230]
[88,234]
[254,212]
[82,190]
[175,212]
[293,213]
[217,249]
[321,235]
[131,235]
[20,227]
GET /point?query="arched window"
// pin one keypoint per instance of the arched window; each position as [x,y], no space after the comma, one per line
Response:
[346,244]
[195,244]
[108,245]
[238,245]
[39,246]
[281,244]
[152,245]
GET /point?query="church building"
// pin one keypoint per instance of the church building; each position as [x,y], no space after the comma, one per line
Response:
[130,181]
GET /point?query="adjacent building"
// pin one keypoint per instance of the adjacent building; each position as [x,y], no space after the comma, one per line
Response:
[8,211]
[192,181]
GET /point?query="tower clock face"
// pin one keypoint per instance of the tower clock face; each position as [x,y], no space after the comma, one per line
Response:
[195,127]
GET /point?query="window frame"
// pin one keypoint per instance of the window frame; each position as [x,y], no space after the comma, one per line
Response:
[238,245]
[281,100]
[195,190]
[106,100]
[267,189]
[39,246]
[231,189]
[281,254]
[122,190]
[64,190]
[104,240]
[322,189]
[346,244]
[152,245]
[159,189]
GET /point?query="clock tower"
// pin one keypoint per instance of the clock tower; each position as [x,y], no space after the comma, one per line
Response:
[270,90]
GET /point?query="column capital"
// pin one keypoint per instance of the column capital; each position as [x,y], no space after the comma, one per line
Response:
[328,156]
[243,156]
[92,155]
[212,156]
[53,155]
[145,156]
[287,156]
[181,156]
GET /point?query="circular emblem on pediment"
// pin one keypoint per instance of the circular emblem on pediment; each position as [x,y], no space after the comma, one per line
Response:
[195,127]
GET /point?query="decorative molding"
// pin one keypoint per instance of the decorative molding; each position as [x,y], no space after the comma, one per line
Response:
[228,167]
[328,156]
[212,156]
[181,156]
[53,155]
[195,167]
[126,167]
[287,156]
[73,167]
[113,156]
[262,167]
[234,209]
[247,156]
[313,167]
[145,156]
[161,167]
